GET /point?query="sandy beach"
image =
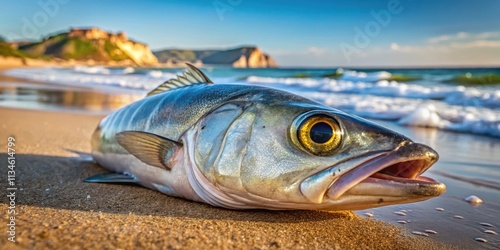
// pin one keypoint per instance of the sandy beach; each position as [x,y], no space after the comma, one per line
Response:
[57,210]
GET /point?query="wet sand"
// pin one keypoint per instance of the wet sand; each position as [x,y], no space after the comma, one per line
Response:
[56,209]
[29,94]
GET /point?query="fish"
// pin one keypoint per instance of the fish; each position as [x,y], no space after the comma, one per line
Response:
[240,146]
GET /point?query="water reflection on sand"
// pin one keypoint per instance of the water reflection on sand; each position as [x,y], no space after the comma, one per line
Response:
[57,98]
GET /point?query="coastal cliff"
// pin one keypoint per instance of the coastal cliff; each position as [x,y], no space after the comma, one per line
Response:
[241,57]
[94,46]
[90,46]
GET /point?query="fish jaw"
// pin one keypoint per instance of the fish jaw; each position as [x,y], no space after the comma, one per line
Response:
[382,179]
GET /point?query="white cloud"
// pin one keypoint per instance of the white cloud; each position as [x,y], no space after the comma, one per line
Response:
[430,48]
[316,51]
[311,51]
[463,36]
[461,54]
[459,49]
[477,44]
[452,43]
[394,46]
[280,52]
[311,56]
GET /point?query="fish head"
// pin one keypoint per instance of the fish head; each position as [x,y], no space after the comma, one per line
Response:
[302,155]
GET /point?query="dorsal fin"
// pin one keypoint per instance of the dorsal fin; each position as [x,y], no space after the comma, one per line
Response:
[191,77]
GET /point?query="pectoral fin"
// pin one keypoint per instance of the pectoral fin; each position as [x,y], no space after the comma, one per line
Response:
[150,148]
[111,178]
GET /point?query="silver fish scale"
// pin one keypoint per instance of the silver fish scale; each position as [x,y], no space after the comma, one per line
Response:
[171,113]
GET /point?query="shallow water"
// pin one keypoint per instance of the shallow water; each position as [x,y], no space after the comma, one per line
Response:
[470,163]
[59,98]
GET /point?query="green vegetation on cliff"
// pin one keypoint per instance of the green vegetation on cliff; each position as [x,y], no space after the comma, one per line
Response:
[90,44]
[95,46]
[64,47]
[77,48]
[7,51]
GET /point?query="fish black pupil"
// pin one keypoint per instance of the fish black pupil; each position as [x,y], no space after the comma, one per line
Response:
[321,132]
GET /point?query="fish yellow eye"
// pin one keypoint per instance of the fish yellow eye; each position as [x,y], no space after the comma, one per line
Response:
[319,134]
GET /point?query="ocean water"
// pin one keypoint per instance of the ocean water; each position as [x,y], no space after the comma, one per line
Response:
[413,97]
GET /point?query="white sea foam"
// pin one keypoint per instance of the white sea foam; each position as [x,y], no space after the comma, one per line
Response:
[91,70]
[424,116]
[474,97]
[155,73]
[96,70]
[306,82]
[95,77]
[418,112]
[347,77]
[364,77]
[456,95]
[456,108]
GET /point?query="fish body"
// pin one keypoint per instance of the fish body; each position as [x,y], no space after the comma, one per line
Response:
[247,147]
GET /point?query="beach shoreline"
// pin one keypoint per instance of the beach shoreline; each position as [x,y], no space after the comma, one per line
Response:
[7,63]
[12,79]
[57,209]
[58,96]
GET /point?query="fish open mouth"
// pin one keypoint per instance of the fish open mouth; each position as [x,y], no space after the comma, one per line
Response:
[408,171]
[396,174]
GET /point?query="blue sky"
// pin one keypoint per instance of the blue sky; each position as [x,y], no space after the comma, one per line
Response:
[296,33]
